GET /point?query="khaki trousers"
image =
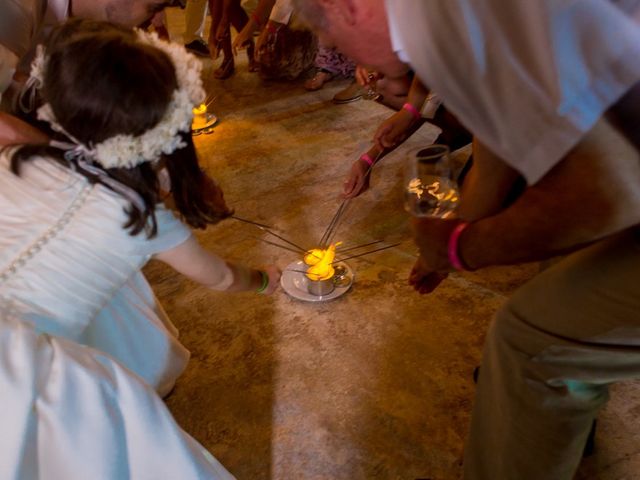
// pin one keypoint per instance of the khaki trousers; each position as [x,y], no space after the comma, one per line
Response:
[549,357]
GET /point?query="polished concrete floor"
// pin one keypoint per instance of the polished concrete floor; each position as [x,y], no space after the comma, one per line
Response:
[376,384]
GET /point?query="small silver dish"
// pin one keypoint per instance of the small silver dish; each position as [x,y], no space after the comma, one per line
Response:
[320,288]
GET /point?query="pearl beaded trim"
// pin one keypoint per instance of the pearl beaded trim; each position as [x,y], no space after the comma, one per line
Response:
[47,236]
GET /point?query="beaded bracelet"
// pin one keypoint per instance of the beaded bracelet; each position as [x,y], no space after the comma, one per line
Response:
[412,110]
[265,282]
[453,247]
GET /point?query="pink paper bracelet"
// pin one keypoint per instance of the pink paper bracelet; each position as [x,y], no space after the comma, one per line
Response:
[452,247]
[412,110]
[255,18]
[366,158]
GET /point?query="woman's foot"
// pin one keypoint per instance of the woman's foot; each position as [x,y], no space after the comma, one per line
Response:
[226,69]
[318,80]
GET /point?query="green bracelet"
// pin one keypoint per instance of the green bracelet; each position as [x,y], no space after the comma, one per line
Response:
[265,282]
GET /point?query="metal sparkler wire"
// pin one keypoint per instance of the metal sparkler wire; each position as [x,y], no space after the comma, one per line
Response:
[343,250]
[365,253]
[326,236]
[284,247]
[251,222]
[266,229]
[353,256]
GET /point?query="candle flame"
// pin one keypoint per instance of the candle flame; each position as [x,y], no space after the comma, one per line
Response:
[200,109]
[320,262]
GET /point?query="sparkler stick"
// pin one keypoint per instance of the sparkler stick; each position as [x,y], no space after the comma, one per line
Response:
[296,271]
[251,222]
[303,250]
[266,229]
[278,245]
[366,253]
[326,237]
[357,246]
[350,257]
[333,223]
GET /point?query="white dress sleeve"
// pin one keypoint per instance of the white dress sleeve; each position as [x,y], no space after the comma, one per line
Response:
[171,233]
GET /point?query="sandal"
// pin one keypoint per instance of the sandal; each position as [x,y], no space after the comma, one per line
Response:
[319,79]
[226,69]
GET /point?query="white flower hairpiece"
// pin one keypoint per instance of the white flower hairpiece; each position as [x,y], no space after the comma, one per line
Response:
[127,151]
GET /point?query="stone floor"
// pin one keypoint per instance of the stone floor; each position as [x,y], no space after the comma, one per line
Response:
[374,385]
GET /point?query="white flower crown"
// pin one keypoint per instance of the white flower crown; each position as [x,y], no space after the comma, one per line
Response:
[127,151]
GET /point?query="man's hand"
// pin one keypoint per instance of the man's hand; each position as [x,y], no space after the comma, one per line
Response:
[431,235]
[423,280]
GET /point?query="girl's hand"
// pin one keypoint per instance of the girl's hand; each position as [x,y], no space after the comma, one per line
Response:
[274,274]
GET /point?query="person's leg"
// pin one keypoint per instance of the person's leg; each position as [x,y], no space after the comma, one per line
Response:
[195,15]
[215,10]
[227,67]
[239,20]
[237,16]
[329,63]
[548,358]
[220,43]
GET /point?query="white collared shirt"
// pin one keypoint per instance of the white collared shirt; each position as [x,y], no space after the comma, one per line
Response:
[528,78]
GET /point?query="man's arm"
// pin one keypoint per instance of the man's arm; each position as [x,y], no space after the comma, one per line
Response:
[15,131]
[593,193]
[486,186]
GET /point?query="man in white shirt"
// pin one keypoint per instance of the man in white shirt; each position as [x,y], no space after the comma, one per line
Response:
[551,90]
[22,24]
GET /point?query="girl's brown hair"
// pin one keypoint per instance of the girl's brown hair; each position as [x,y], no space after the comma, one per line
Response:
[101,82]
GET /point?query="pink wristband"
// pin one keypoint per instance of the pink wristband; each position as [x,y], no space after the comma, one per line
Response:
[255,18]
[452,246]
[412,110]
[366,158]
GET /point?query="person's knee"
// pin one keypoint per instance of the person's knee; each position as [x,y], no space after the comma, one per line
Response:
[512,331]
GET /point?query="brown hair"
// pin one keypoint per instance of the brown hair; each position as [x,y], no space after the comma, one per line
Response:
[101,82]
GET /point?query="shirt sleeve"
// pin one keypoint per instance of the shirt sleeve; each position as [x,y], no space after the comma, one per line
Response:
[528,78]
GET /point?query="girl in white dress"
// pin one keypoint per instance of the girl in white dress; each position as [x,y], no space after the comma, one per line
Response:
[81,215]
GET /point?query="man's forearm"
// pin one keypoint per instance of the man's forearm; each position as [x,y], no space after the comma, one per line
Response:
[593,193]
[15,131]
[486,186]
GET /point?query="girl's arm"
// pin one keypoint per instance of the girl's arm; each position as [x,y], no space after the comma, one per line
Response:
[206,268]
